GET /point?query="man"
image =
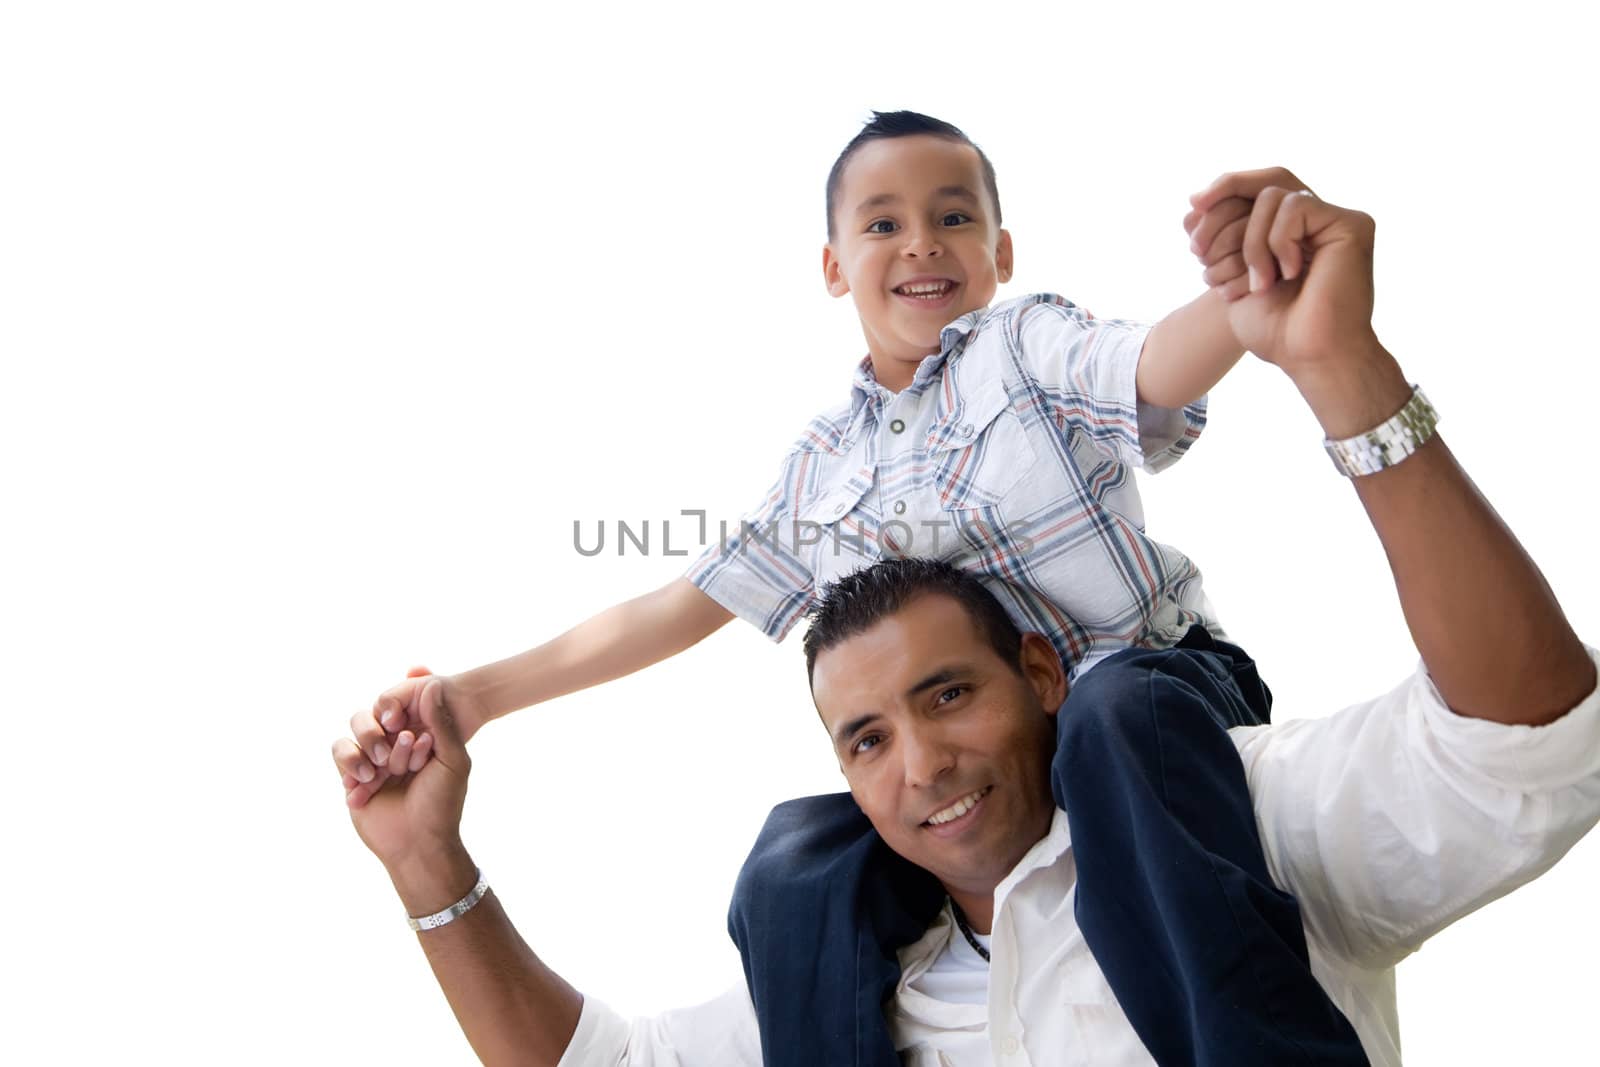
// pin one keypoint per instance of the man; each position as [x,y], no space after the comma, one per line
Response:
[1386,821]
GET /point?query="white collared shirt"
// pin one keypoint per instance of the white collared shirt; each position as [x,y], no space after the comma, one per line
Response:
[1388,821]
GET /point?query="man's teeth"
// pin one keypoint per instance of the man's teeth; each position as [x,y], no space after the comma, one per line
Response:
[958,809]
[925,289]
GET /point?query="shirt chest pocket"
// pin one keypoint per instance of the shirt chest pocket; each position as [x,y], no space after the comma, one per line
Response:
[837,531]
[980,450]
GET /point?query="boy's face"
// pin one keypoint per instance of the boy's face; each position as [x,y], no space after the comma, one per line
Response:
[913,211]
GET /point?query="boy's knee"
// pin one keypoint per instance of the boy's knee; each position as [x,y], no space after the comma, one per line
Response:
[796,849]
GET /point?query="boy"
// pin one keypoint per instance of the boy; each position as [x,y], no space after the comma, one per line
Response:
[1000,439]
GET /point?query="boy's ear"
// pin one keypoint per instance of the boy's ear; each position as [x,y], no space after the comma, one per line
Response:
[832,274]
[1002,257]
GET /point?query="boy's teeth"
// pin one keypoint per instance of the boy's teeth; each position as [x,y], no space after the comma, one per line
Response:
[924,289]
[958,809]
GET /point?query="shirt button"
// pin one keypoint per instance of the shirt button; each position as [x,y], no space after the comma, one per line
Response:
[1009,1046]
[838,509]
[899,507]
[966,430]
[897,426]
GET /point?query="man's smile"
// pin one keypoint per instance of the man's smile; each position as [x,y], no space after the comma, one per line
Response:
[955,818]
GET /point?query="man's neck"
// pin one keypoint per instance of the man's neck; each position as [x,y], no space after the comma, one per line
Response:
[977,907]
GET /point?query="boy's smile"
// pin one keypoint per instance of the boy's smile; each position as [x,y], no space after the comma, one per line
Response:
[917,246]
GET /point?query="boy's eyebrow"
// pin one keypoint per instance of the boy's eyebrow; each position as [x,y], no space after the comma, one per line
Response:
[959,192]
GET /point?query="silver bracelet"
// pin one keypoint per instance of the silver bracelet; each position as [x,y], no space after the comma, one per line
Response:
[454,911]
[1387,443]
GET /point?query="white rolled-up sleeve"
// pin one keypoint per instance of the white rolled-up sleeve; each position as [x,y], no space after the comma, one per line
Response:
[1394,818]
[718,1033]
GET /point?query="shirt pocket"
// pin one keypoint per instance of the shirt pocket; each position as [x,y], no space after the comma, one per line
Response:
[837,530]
[980,450]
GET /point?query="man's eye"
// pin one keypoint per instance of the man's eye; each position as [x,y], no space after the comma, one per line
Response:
[868,742]
[873,227]
[951,693]
[958,216]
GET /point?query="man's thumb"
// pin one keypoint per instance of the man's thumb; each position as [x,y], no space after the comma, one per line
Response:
[437,720]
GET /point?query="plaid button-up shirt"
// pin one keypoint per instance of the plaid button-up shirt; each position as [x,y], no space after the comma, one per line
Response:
[1011,455]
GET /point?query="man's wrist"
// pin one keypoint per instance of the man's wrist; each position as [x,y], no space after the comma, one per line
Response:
[431,880]
[1354,392]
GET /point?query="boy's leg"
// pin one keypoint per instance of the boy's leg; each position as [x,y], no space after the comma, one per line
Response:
[818,912]
[1207,957]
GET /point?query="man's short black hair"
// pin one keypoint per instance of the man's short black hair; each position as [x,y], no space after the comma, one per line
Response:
[885,124]
[858,601]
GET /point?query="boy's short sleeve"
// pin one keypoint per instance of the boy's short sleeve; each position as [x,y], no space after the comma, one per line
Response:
[754,568]
[1086,367]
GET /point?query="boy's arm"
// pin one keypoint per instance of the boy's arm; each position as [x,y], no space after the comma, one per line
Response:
[624,638]
[1187,353]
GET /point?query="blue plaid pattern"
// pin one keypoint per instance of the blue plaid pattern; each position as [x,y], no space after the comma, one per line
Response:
[1011,455]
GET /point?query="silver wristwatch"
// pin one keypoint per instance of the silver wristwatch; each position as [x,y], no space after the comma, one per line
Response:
[1387,443]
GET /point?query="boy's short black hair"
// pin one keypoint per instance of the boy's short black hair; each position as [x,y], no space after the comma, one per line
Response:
[885,124]
[858,601]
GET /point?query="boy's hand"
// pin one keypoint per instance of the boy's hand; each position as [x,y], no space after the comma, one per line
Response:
[1223,236]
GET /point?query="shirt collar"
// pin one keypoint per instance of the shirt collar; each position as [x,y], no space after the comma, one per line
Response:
[952,342]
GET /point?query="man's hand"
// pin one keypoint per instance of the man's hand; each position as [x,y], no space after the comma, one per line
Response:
[418,816]
[390,739]
[1306,299]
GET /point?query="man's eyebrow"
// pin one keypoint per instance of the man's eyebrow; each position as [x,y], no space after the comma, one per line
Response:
[942,676]
[959,192]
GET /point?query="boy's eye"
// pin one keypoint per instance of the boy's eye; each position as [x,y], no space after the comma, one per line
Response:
[873,227]
[950,694]
[958,216]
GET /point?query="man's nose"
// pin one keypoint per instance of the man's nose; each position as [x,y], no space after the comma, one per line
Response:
[927,757]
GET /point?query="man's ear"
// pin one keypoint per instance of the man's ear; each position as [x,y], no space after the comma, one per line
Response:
[1042,668]
[1002,257]
[833,273]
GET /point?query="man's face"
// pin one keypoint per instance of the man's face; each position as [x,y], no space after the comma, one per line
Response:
[945,745]
[913,211]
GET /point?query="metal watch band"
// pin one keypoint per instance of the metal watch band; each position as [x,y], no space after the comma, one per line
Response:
[1387,443]
[454,911]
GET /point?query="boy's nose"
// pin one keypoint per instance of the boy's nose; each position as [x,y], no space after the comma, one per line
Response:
[920,243]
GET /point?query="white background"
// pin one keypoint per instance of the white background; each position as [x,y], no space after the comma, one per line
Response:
[322,322]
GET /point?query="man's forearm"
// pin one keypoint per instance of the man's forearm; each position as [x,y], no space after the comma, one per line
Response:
[1187,353]
[1489,629]
[512,1008]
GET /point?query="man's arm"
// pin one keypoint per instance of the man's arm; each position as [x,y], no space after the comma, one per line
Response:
[512,1007]
[1491,633]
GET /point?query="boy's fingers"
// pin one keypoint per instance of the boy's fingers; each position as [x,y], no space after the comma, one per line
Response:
[1226,270]
[401,756]
[419,752]
[1227,242]
[1216,221]
[348,758]
[397,705]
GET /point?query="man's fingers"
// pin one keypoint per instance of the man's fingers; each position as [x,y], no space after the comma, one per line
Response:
[1212,224]
[1290,227]
[1245,183]
[1258,258]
